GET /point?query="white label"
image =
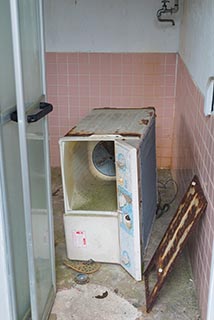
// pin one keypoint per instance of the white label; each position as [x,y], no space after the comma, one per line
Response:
[79,239]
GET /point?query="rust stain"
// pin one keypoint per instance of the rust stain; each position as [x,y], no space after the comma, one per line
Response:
[116,108]
[185,219]
[130,134]
[72,132]
[144,121]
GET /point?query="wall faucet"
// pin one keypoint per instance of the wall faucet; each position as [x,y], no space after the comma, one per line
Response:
[165,9]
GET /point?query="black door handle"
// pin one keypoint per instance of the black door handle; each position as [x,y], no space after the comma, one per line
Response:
[44,109]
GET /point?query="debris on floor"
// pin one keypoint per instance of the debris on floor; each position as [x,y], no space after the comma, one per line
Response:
[87,267]
[78,303]
[102,296]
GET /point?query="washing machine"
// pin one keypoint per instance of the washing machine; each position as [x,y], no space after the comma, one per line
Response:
[108,165]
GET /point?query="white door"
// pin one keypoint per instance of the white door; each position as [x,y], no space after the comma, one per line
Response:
[128,208]
[25,162]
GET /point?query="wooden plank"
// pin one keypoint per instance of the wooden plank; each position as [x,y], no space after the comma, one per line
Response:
[190,210]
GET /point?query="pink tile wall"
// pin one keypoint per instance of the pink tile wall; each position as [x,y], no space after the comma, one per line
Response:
[193,152]
[79,82]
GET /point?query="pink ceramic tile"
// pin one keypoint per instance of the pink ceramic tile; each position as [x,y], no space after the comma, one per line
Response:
[170,69]
[116,80]
[62,57]
[138,80]
[94,102]
[84,91]
[51,68]
[94,58]
[63,90]
[169,91]
[170,80]
[95,79]
[73,79]
[84,68]
[73,57]
[94,68]
[197,140]
[62,79]
[72,68]
[116,68]
[51,79]
[105,91]
[127,58]
[62,68]
[127,91]
[105,80]
[127,68]
[115,101]
[94,91]
[137,69]
[74,113]
[139,90]
[84,80]
[50,57]
[53,99]
[89,80]
[84,101]
[116,91]
[83,58]
[74,91]
[150,58]
[126,101]
[63,101]
[128,80]
[171,58]
[148,90]
[137,101]
[52,90]
[105,101]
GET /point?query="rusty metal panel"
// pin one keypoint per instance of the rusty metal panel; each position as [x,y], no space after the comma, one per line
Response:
[132,122]
[185,219]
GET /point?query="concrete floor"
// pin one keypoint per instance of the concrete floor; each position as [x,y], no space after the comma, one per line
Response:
[177,299]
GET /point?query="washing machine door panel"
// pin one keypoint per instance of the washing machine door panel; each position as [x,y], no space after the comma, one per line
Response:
[128,208]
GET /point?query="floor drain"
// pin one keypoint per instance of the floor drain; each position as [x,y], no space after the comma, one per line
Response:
[81,278]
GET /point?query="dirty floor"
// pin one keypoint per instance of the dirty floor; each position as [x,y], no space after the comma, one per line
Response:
[177,299]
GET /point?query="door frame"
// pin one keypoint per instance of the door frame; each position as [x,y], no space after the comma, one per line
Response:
[7,305]
[24,156]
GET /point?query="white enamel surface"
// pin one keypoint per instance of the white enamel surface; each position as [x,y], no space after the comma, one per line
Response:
[129,239]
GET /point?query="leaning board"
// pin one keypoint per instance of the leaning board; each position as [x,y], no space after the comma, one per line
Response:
[191,208]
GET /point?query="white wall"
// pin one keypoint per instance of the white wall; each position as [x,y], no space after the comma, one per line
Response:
[108,26]
[197,40]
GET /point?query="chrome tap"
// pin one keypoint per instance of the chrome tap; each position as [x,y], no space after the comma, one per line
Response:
[165,9]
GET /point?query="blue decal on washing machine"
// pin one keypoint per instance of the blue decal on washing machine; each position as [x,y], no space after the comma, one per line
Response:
[126,259]
[121,162]
[125,206]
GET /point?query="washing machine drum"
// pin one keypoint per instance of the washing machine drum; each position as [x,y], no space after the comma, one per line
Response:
[102,159]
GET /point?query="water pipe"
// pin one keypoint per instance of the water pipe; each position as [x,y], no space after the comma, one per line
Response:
[165,9]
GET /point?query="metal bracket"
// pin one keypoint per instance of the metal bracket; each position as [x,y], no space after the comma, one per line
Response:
[191,208]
